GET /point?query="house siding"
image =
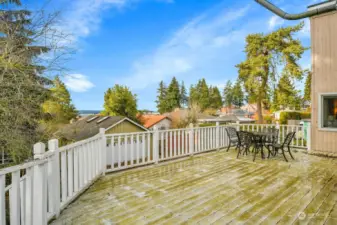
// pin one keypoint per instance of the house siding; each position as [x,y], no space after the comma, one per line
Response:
[124,127]
[164,124]
[324,79]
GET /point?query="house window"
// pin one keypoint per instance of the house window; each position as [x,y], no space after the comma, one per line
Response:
[329,111]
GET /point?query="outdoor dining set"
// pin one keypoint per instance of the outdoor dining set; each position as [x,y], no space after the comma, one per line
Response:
[255,142]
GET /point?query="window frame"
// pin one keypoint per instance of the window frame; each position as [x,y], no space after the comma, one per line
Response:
[320,111]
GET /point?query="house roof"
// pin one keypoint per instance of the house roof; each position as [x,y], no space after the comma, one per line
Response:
[89,126]
[228,119]
[149,121]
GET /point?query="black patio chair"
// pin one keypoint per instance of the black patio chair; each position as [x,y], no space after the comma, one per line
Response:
[233,138]
[272,139]
[245,142]
[258,143]
[286,144]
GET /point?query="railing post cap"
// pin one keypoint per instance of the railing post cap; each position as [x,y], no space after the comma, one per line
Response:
[39,150]
[53,144]
[102,130]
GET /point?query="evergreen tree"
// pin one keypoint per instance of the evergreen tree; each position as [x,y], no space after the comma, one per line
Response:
[22,86]
[183,95]
[307,87]
[161,98]
[194,96]
[215,98]
[59,104]
[287,96]
[263,53]
[228,94]
[237,94]
[173,95]
[119,101]
[203,94]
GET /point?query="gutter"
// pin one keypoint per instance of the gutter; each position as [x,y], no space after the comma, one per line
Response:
[312,12]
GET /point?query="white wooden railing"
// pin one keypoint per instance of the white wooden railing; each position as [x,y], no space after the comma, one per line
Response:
[35,192]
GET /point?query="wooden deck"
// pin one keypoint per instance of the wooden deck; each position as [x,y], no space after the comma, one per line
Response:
[213,188]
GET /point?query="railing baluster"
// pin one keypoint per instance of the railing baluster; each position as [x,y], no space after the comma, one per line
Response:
[29,196]
[171,144]
[2,200]
[166,145]
[162,145]
[176,143]
[138,148]
[143,149]
[132,149]
[125,150]
[80,168]
[119,147]
[179,148]
[76,170]
[64,176]
[70,172]
[14,198]
[149,147]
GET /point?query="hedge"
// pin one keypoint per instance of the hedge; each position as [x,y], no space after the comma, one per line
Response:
[285,116]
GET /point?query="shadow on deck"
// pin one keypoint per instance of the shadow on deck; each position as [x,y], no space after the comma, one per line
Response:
[213,188]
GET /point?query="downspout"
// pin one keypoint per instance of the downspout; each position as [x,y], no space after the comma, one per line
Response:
[299,16]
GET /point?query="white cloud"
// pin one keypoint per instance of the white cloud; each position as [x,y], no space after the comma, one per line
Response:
[198,43]
[84,16]
[275,21]
[78,82]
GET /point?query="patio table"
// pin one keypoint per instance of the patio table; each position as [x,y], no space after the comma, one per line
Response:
[260,138]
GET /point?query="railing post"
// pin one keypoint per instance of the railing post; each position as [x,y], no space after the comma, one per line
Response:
[309,137]
[39,195]
[155,145]
[217,136]
[191,140]
[54,183]
[237,125]
[103,159]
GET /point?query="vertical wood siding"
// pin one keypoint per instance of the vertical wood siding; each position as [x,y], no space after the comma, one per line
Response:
[324,79]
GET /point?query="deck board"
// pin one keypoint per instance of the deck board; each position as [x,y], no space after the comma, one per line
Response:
[213,188]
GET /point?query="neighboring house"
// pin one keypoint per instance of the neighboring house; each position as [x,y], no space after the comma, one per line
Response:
[227,119]
[160,121]
[89,126]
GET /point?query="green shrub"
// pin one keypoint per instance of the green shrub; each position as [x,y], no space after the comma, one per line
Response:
[285,116]
[268,119]
[207,124]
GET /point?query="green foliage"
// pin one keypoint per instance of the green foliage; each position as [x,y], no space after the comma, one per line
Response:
[119,101]
[228,94]
[200,95]
[215,98]
[183,95]
[307,87]
[265,53]
[286,94]
[267,119]
[59,105]
[22,86]
[237,94]
[285,116]
[173,95]
[161,98]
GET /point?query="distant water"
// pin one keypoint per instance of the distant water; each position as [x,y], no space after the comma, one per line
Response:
[88,112]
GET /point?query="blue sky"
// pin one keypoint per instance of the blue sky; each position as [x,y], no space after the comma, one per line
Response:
[140,42]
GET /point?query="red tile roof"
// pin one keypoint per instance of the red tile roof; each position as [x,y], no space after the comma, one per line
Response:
[151,120]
